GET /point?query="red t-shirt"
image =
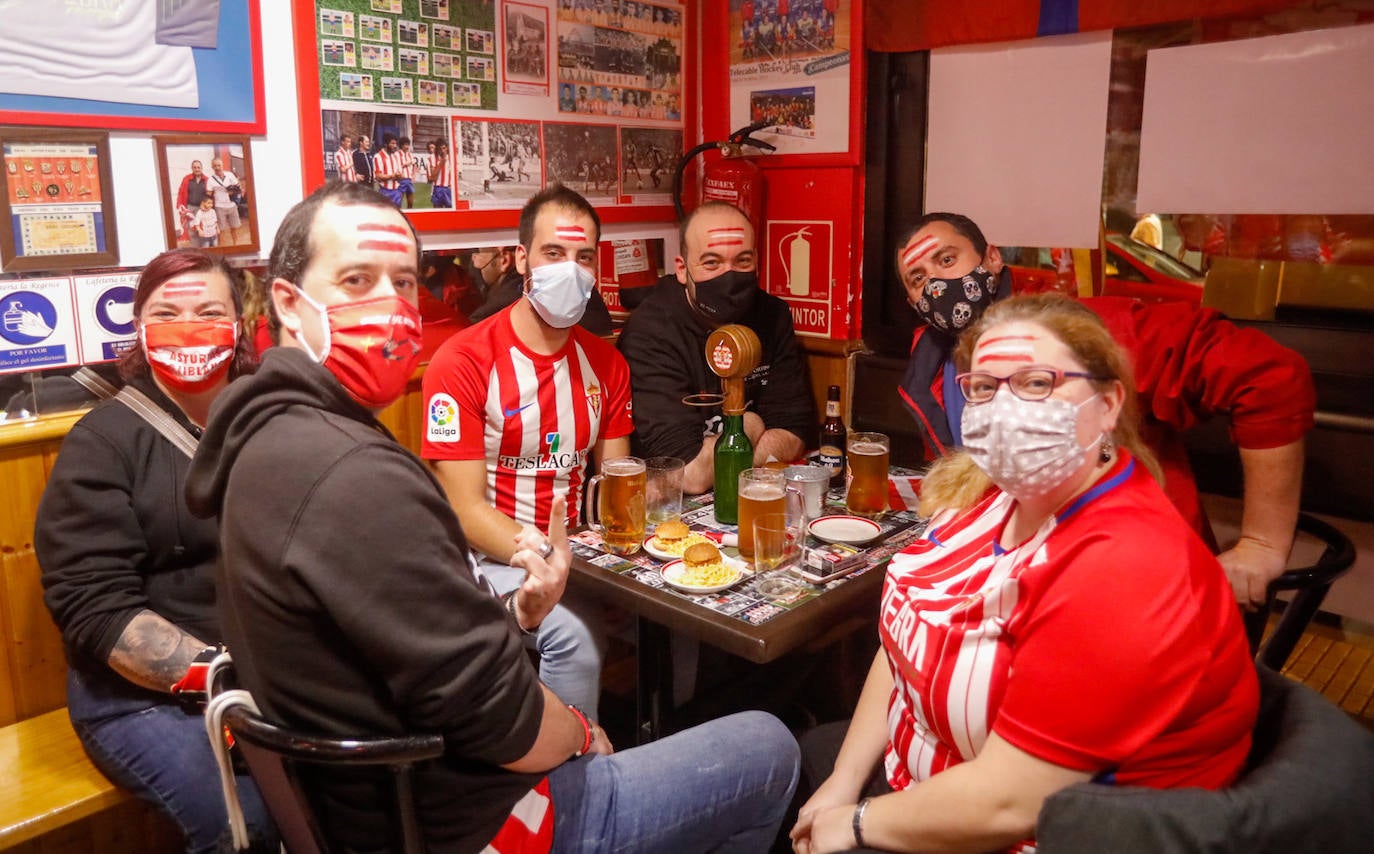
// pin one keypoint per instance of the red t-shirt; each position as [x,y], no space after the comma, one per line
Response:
[1108,642]
[533,418]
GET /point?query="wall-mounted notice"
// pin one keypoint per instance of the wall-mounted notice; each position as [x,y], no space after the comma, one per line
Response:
[799,270]
[37,325]
[105,315]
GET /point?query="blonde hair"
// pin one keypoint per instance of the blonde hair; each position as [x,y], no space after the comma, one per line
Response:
[955,482]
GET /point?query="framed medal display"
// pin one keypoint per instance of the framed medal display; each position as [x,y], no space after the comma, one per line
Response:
[208,198]
[58,200]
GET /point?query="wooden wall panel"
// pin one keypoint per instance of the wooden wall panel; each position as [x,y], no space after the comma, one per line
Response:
[39,668]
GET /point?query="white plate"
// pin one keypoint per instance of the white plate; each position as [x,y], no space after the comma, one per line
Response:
[850,530]
[660,554]
[673,571]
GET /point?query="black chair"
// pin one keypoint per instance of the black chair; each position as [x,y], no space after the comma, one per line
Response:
[1308,787]
[274,754]
[1311,583]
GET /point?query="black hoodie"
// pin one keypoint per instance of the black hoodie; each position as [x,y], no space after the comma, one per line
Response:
[349,604]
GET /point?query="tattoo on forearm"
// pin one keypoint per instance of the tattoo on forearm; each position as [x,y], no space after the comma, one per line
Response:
[153,652]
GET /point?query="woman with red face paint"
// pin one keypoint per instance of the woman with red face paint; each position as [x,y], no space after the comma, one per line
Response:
[128,572]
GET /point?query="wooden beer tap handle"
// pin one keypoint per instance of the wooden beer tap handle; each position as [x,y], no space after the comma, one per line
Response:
[732,352]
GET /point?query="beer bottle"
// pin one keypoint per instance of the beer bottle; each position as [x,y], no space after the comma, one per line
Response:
[734,454]
[832,439]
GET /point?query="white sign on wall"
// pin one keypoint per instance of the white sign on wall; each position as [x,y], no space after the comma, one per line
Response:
[37,325]
[105,315]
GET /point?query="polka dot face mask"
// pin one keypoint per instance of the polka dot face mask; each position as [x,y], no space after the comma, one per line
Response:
[1026,447]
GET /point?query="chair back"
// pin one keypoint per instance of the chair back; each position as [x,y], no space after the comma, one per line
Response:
[1311,583]
[274,754]
[1307,787]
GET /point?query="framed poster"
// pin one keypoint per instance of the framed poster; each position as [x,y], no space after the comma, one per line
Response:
[207,193]
[58,203]
[525,49]
[135,65]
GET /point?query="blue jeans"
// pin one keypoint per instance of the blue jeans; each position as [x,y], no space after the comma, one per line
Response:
[571,641]
[721,786]
[162,755]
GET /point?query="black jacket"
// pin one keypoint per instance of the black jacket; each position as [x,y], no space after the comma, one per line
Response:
[664,343]
[350,605]
[114,536]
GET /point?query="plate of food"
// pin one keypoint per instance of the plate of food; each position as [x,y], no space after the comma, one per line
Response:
[849,530]
[671,538]
[702,569]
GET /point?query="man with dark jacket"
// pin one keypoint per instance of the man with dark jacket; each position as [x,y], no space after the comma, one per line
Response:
[352,606]
[362,161]
[664,343]
[505,285]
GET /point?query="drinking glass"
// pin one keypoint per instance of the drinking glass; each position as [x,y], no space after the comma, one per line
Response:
[777,546]
[761,490]
[868,462]
[663,489]
[618,504]
[812,482]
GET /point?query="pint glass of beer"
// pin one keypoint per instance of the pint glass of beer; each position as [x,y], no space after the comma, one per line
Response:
[760,491]
[618,504]
[868,458]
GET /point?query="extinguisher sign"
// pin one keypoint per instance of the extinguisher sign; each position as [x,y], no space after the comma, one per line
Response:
[798,269]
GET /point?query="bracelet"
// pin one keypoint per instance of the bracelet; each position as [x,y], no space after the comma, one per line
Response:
[859,823]
[508,601]
[586,732]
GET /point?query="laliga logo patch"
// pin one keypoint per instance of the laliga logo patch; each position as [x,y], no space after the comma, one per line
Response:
[722,357]
[441,419]
[593,393]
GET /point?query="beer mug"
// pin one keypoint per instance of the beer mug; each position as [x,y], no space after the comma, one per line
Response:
[617,505]
[868,461]
[762,490]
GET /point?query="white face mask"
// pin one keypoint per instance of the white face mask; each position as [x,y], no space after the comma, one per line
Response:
[1026,447]
[559,292]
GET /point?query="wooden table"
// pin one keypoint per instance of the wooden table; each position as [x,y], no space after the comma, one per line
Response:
[835,613]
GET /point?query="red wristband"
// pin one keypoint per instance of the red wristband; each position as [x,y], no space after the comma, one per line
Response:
[586,732]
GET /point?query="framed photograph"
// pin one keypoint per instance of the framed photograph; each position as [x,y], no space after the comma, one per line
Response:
[58,203]
[99,64]
[207,192]
[526,39]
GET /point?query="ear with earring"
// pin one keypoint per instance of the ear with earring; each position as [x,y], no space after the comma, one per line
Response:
[1106,448]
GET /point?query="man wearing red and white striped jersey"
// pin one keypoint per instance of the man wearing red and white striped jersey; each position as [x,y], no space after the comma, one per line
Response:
[343,160]
[387,168]
[440,176]
[515,408]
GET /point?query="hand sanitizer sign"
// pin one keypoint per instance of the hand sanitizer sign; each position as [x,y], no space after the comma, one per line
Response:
[37,325]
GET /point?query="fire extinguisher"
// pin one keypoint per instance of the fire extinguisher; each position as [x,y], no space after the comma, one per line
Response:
[794,251]
[736,177]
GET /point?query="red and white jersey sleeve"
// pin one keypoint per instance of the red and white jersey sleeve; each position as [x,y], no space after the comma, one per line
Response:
[533,418]
[1108,642]
[343,164]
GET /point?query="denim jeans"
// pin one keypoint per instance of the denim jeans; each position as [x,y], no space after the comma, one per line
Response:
[571,641]
[161,754]
[721,786]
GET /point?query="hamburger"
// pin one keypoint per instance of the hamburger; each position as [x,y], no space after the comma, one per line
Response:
[701,555]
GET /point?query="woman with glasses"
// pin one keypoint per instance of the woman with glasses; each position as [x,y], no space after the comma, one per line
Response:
[1058,623]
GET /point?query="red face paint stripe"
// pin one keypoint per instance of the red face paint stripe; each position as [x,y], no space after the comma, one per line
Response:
[725,243]
[570,232]
[986,341]
[1004,357]
[387,227]
[183,288]
[386,246]
[919,250]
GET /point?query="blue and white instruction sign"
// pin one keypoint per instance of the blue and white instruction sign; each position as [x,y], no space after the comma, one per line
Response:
[105,311]
[37,325]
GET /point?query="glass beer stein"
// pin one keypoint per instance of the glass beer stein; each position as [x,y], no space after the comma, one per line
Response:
[617,504]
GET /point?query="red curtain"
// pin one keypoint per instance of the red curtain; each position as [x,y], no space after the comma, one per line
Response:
[895,26]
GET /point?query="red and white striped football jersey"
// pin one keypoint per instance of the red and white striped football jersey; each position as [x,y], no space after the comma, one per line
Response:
[533,418]
[387,163]
[343,164]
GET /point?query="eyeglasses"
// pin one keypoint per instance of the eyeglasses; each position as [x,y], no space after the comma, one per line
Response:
[1028,383]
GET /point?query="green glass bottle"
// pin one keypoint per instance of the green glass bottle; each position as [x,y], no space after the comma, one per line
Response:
[734,454]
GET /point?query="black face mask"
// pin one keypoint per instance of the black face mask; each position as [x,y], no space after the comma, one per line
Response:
[950,305]
[727,297]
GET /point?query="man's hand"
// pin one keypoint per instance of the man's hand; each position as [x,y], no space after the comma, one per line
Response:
[1250,565]
[832,793]
[545,577]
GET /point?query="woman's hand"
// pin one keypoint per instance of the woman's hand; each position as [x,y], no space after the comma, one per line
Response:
[545,576]
[832,794]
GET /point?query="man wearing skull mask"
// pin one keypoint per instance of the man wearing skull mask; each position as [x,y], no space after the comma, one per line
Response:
[1190,364]
[664,341]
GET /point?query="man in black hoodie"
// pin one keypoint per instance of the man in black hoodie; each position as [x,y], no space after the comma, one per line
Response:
[351,604]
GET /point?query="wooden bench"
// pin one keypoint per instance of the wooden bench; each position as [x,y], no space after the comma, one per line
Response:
[52,798]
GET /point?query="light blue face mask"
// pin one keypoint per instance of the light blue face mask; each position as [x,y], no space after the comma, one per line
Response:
[559,292]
